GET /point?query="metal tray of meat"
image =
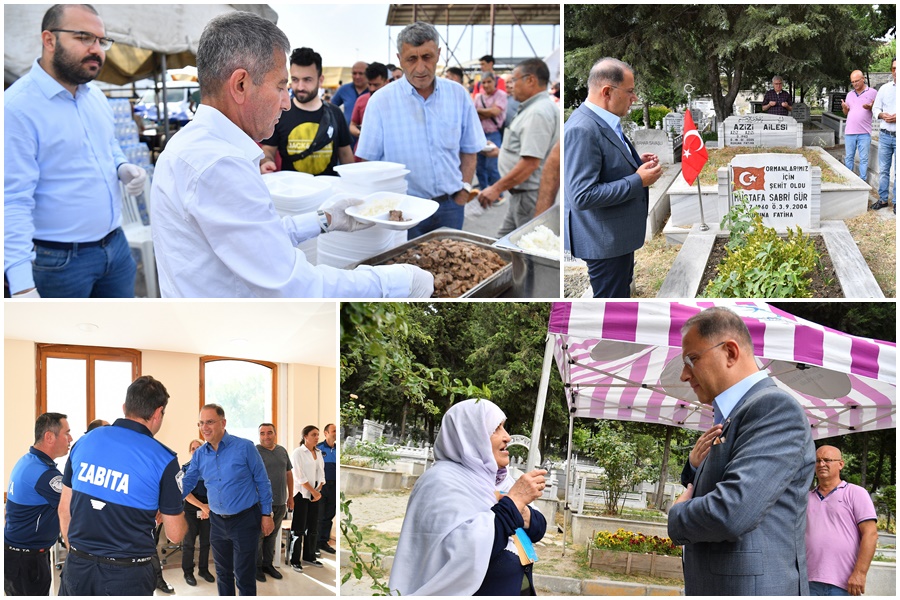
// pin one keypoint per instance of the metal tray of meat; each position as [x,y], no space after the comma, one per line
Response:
[492,287]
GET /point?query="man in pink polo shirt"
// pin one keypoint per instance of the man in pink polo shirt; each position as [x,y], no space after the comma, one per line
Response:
[858,133]
[841,530]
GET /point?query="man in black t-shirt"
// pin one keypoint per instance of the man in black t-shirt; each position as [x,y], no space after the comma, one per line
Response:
[312,136]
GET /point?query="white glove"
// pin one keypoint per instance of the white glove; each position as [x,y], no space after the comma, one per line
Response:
[32,293]
[133,177]
[340,220]
[422,282]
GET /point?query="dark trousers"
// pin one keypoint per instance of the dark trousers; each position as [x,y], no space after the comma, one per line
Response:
[195,527]
[85,577]
[611,277]
[304,528]
[269,543]
[26,573]
[328,510]
[234,543]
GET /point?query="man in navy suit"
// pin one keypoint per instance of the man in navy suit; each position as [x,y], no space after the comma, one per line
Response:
[742,519]
[606,196]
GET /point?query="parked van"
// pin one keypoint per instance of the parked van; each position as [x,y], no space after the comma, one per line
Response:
[182,97]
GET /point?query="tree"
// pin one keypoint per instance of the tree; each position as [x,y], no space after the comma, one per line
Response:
[719,48]
[626,460]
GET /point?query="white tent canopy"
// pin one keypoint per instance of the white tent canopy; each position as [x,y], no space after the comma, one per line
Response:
[142,32]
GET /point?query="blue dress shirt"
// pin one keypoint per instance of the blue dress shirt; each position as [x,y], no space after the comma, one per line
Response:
[612,120]
[235,476]
[60,162]
[425,135]
[725,402]
[347,96]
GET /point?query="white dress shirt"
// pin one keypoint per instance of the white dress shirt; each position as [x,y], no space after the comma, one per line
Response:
[216,233]
[886,102]
[307,469]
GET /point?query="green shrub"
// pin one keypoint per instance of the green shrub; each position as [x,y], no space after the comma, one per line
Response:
[759,263]
[656,114]
[378,453]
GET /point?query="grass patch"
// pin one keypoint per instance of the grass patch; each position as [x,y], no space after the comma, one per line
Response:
[652,264]
[722,157]
[876,238]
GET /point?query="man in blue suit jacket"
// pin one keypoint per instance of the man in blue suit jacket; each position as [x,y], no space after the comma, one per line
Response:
[606,196]
[743,519]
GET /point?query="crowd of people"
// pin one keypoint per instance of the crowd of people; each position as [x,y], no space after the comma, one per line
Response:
[210,212]
[119,484]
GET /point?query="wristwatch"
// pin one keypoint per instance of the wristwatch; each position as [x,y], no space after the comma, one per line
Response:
[467,187]
[323,220]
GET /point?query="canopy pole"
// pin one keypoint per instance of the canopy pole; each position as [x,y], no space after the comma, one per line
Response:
[567,516]
[165,115]
[540,406]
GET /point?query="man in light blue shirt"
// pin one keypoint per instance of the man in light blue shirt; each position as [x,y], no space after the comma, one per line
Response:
[430,125]
[62,168]
[240,500]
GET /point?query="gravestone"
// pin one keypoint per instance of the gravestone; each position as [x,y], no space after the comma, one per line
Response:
[785,190]
[834,102]
[657,142]
[675,120]
[763,131]
[801,112]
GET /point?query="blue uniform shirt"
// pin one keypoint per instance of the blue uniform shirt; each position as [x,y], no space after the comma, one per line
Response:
[329,455]
[235,476]
[119,477]
[59,169]
[347,96]
[31,502]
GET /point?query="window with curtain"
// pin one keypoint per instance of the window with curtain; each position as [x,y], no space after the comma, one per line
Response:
[84,383]
[244,388]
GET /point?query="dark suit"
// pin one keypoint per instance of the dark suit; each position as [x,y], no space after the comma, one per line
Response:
[744,529]
[605,201]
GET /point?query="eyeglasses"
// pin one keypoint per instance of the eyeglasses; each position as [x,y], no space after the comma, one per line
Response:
[515,79]
[827,460]
[209,423]
[88,39]
[689,362]
[629,92]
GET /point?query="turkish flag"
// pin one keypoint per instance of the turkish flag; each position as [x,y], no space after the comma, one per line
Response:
[749,178]
[693,150]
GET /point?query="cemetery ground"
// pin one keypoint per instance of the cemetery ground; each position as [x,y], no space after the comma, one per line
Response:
[874,232]
[379,515]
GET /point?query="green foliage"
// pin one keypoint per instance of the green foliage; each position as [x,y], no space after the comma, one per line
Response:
[656,114]
[738,221]
[721,48]
[626,459]
[886,502]
[378,453]
[354,538]
[352,413]
[761,264]
[881,59]
[627,541]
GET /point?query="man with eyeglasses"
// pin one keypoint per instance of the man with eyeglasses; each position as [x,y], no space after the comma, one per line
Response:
[240,500]
[857,107]
[742,518]
[607,181]
[349,93]
[777,101]
[526,145]
[117,480]
[841,530]
[62,167]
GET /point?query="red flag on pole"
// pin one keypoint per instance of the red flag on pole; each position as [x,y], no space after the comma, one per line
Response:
[693,150]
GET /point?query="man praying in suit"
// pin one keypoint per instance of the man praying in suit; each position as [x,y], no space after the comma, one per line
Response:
[606,196]
[742,519]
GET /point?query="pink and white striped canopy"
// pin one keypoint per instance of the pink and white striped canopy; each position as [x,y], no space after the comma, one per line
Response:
[622,360]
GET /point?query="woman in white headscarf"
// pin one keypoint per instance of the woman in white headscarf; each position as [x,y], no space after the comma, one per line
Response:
[457,536]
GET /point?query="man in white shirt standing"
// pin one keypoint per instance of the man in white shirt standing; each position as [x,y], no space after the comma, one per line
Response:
[215,230]
[885,108]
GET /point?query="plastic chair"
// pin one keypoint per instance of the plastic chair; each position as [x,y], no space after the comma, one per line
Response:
[139,237]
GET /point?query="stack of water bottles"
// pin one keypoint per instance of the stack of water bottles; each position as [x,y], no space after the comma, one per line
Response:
[135,151]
